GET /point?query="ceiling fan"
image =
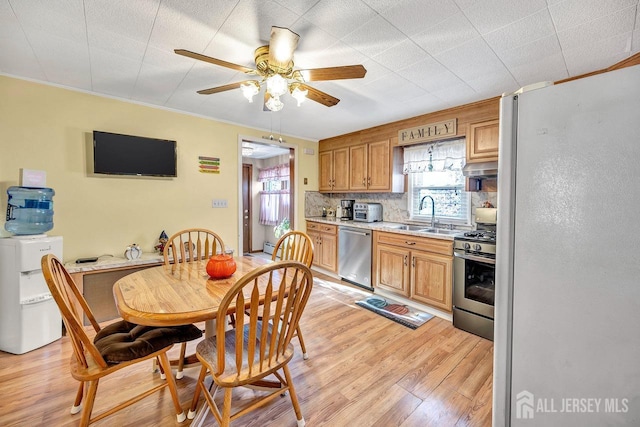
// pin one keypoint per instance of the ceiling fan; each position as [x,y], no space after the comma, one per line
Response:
[274,66]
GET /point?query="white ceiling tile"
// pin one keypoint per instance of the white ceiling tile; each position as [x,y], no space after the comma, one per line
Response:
[60,18]
[395,87]
[380,5]
[550,68]
[17,56]
[401,55]
[188,25]
[489,15]
[470,60]
[598,29]
[374,70]
[338,17]
[414,16]
[339,54]
[122,18]
[116,43]
[532,27]
[451,32]
[598,55]
[298,6]
[312,40]
[250,21]
[374,37]
[530,53]
[569,13]
[493,83]
[455,94]
[430,75]
[62,60]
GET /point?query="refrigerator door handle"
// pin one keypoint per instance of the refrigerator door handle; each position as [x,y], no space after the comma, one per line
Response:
[36,299]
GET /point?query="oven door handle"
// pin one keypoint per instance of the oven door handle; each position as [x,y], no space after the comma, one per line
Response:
[475,258]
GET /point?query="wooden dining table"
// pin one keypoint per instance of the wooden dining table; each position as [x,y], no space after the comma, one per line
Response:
[177,294]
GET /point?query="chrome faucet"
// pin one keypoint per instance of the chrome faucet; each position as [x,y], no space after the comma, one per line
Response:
[433,209]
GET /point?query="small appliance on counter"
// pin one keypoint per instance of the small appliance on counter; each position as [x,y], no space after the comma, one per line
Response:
[346,209]
[367,212]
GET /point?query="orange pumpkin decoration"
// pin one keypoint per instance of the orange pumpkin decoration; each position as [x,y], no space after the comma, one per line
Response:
[221,266]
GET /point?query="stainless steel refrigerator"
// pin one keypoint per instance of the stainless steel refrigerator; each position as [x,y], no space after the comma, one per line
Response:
[567,321]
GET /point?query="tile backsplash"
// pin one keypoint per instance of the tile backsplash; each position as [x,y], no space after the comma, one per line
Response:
[394,206]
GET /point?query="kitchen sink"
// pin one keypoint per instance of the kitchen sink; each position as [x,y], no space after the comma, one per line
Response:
[439,231]
[408,227]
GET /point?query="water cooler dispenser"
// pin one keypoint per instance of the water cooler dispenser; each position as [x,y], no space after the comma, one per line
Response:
[29,317]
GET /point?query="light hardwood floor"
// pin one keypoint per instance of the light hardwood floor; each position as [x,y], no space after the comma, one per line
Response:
[363,370]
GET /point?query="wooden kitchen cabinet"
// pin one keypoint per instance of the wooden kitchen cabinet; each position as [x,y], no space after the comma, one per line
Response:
[393,269]
[325,242]
[361,167]
[482,141]
[419,268]
[431,279]
[370,167]
[334,170]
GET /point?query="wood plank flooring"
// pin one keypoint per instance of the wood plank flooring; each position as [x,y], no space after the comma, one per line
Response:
[363,370]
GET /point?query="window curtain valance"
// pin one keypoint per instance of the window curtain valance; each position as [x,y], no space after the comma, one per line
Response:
[435,157]
[275,173]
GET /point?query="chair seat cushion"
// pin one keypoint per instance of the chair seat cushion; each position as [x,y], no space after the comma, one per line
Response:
[207,352]
[123,341]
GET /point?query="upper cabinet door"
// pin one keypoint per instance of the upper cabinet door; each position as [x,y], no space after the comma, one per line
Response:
[358,175]
[379,166]
[482,141]
[326,171]
[341,169]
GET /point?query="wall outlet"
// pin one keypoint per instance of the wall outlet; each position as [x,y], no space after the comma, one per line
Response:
[219,203]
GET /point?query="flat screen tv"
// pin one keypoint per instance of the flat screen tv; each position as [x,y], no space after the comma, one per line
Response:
[115,154]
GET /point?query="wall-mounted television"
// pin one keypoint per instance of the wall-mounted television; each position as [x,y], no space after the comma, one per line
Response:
[116,154]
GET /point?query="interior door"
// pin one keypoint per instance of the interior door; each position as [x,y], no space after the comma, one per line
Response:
[247,173]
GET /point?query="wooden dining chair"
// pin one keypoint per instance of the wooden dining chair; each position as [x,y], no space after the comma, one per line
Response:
[260,346]
[189,246]
[296,246]
[115,347]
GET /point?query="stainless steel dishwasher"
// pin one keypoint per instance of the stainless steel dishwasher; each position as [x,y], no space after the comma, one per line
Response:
[354,255]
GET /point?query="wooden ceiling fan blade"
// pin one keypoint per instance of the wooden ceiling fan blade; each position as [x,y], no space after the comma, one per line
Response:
[214,61]
[331,73]
[218,89]
[319,96]
[281,47]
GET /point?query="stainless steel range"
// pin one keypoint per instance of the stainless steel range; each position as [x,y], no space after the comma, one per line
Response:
[474,276]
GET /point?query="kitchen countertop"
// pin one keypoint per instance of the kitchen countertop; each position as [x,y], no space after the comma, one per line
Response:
[386,226]
[113,262]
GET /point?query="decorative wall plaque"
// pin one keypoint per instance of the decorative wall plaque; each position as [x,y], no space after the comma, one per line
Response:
[428,132]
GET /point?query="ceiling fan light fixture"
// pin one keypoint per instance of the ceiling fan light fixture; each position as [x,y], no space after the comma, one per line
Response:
[250,89]
[276,85]
[298,94]
[274,103]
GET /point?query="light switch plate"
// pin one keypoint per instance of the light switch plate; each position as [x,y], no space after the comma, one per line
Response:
[219,203]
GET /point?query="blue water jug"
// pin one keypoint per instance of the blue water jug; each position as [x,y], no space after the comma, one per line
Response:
[29,210]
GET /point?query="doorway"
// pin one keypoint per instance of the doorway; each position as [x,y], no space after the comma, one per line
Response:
[260,159]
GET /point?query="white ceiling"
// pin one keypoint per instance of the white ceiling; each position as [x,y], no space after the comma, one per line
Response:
[420,55]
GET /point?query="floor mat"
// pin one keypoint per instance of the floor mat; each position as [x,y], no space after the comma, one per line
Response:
[395,311]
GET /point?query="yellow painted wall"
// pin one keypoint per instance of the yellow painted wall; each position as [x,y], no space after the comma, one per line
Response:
[45,127]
